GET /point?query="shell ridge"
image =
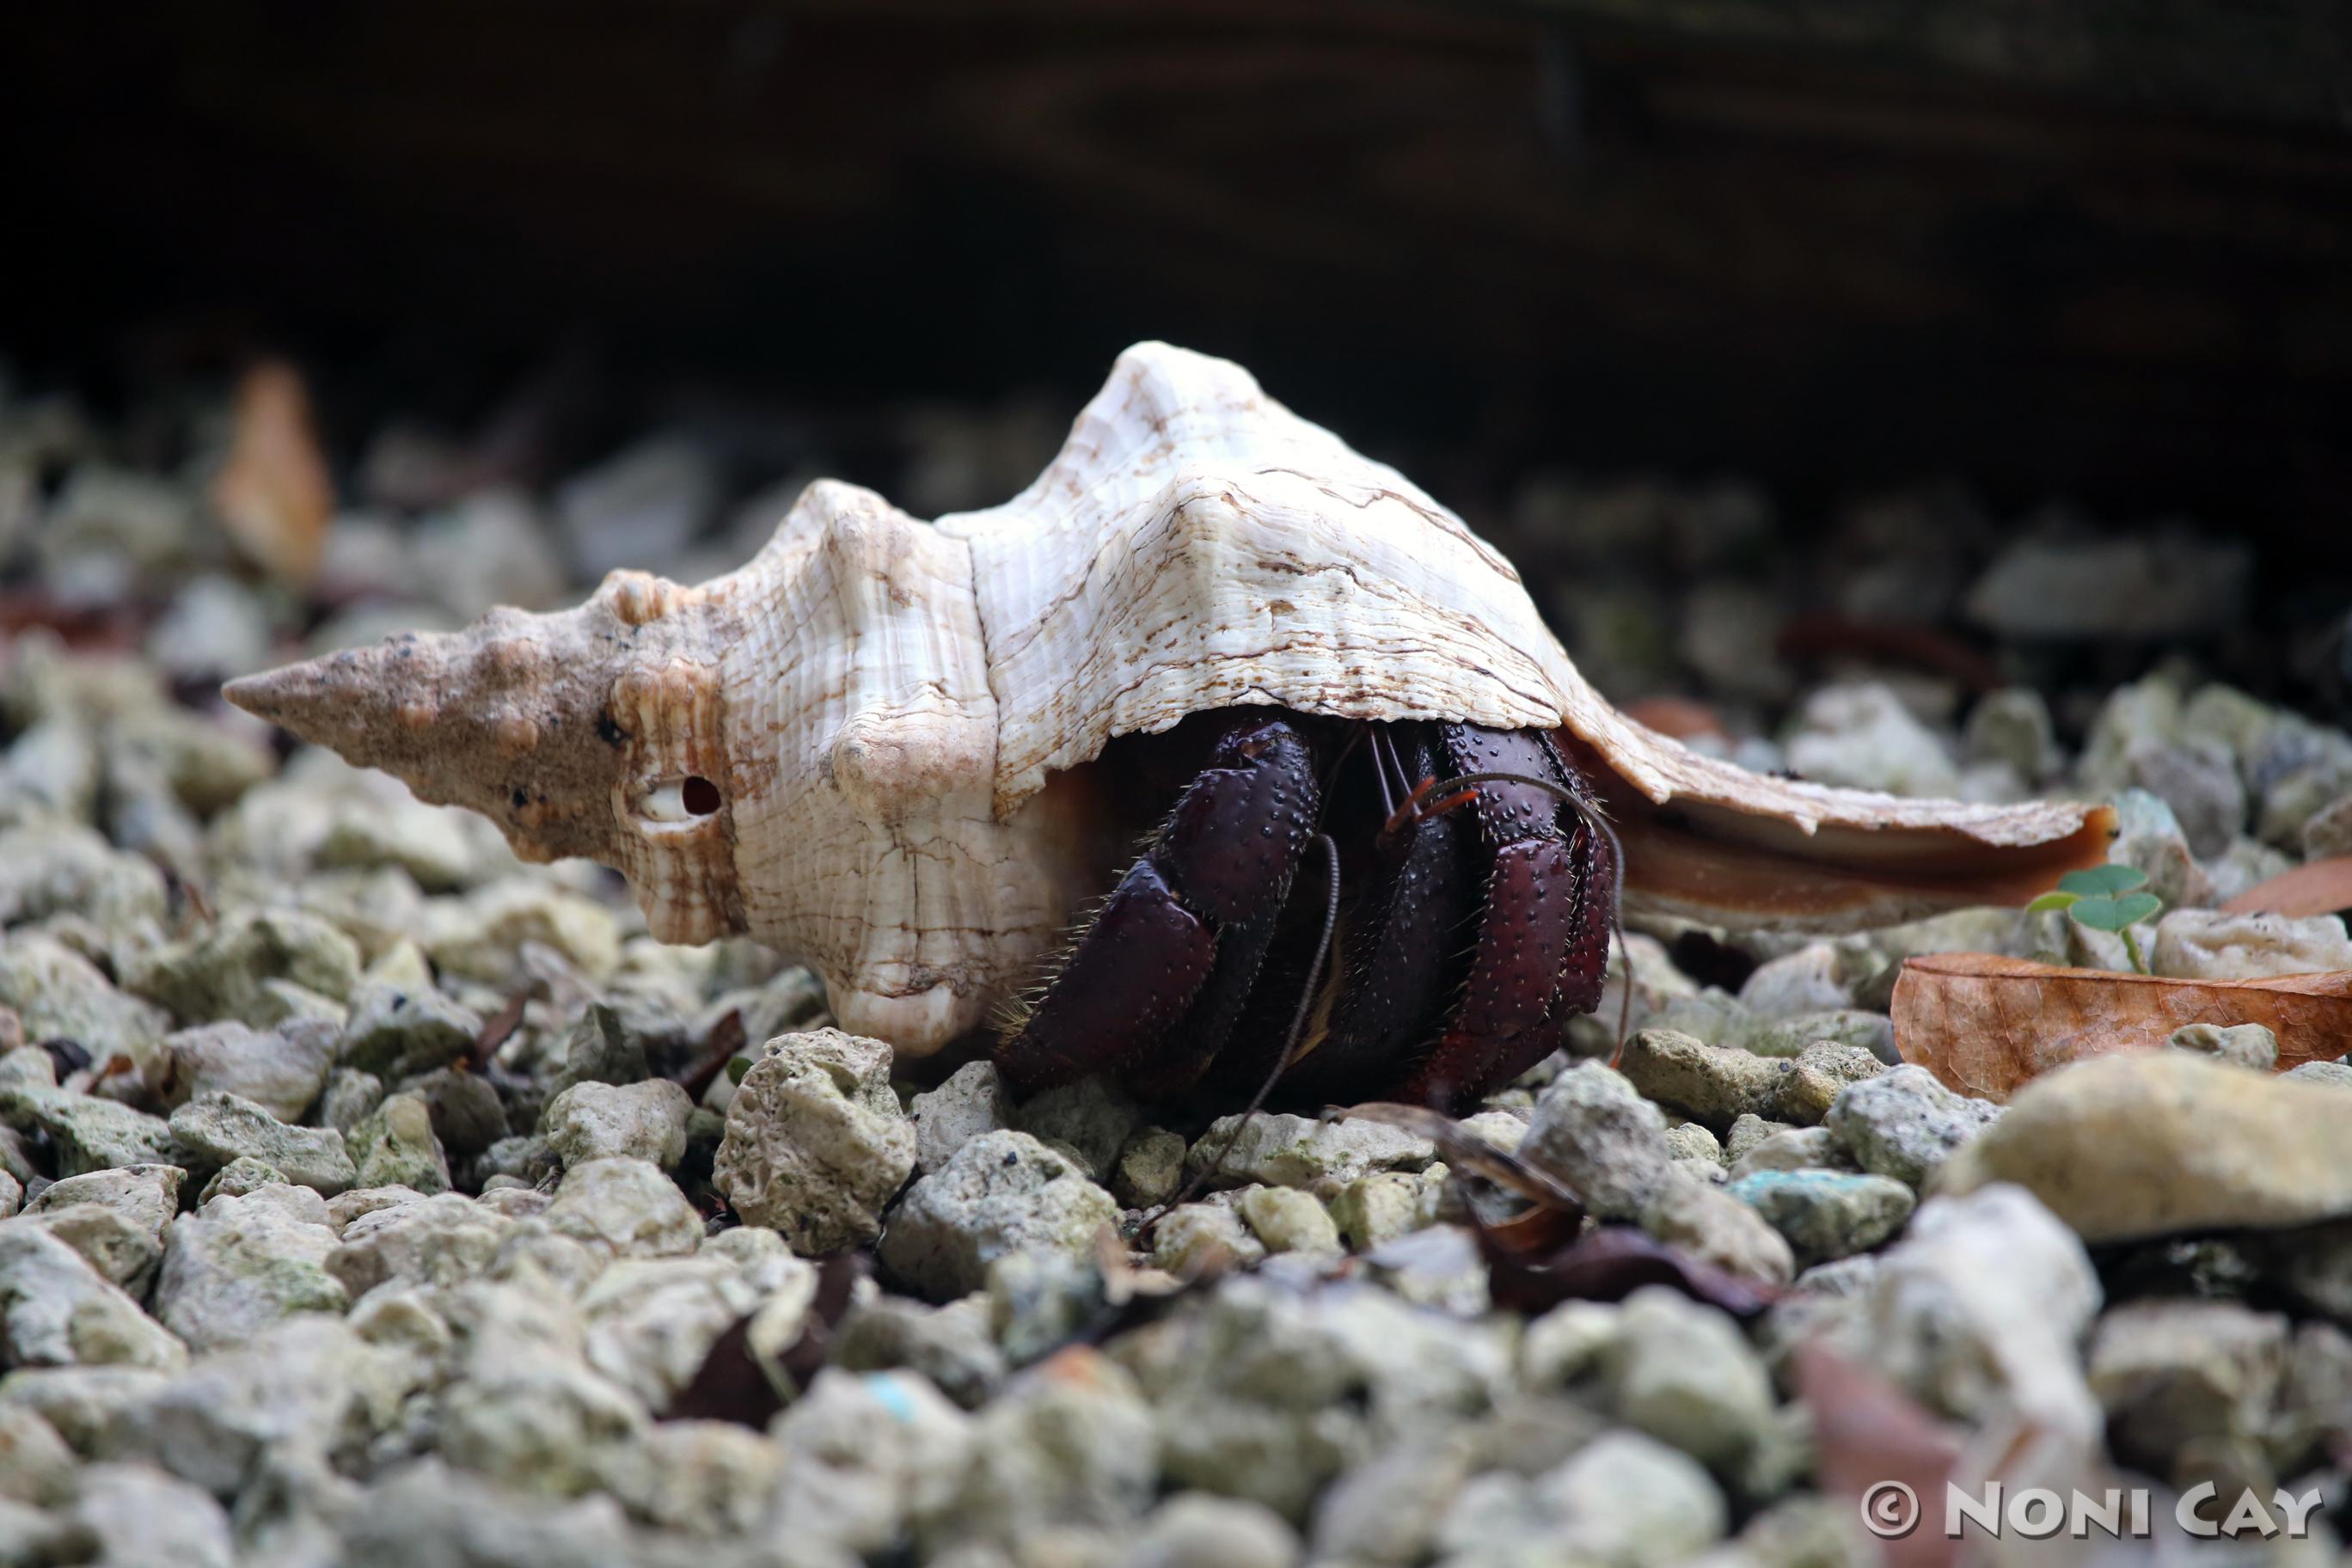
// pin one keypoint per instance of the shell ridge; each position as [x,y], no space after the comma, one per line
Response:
[874,852]
[1435,513]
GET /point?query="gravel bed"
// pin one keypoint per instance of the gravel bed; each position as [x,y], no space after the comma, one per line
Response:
[368,1197]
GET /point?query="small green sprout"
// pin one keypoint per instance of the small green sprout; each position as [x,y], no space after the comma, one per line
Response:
[2104,898]
[736,1067]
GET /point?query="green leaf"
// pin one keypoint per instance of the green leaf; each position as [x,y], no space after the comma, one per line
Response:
[736,1067]
[2049,901]
[2114,914]
[2102,880]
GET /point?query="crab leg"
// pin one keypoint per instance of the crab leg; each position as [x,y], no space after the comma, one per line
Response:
[1403,956]
[1234,841]
[1505,1025]
[1583,976]
[1543,937]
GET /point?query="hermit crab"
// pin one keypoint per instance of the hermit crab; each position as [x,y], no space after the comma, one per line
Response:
[1285,743]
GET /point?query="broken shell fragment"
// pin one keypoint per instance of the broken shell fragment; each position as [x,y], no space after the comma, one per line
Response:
[870,746]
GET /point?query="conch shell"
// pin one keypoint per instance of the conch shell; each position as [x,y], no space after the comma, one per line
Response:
[871,747]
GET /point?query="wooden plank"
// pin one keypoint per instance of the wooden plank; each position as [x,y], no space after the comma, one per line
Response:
[1833,263]
[2287,61]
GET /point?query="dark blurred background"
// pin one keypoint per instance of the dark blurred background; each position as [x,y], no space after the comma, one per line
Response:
[2027,253]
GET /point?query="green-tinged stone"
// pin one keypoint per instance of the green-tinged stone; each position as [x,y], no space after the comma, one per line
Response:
[222,1127]
[1826,1214]
[89,1133]
[221,973]
[395,1147]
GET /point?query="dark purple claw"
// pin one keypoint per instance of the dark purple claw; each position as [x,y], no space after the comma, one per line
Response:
[1130,980]
[1508,813]
[1233,844]
[1543,937]
[1237,832]
[1581,978]
[1223,862]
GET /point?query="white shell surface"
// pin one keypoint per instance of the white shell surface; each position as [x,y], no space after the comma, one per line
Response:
[901,692]
[863,739]
[1196,544]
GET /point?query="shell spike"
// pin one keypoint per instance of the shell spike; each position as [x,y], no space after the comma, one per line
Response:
[592,731]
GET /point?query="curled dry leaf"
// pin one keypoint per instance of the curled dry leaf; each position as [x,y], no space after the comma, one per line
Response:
[1131,1297]
[1123,1282]
[2322,887]
[1543,1256]
[274,494]
[499,1028]
[721,1046]
[730,1384]
[1985,1024]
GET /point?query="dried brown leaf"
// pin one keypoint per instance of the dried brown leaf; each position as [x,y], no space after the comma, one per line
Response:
[1122,1281]
[734,1385]
[837,1286]
[274,494]
[722,1045]
[1869,1436]
[729,1384]
[1532,1234]
[2322,887]
[1985,1024]
[1608,1265]
[1543,1256]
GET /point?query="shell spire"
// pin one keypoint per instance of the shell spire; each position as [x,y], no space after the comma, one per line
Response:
[592,731]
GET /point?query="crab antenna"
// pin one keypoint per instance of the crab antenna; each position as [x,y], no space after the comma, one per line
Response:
[1289,1042]
[1592,818]
[1380,773]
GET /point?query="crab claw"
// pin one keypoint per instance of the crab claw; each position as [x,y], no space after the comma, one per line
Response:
[1155,984]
